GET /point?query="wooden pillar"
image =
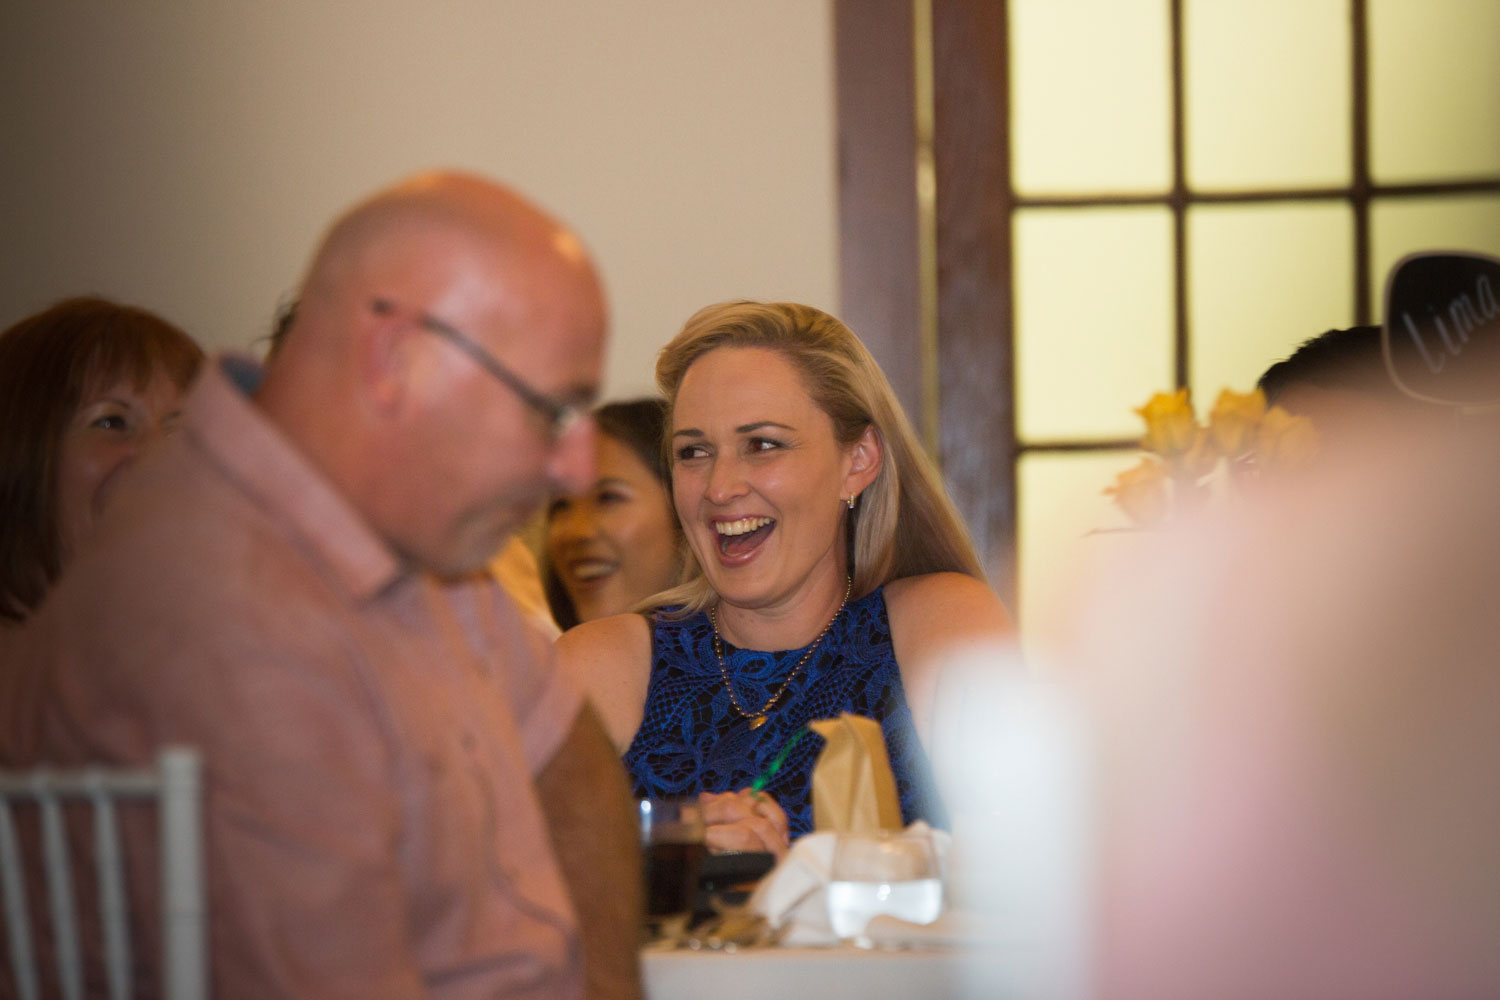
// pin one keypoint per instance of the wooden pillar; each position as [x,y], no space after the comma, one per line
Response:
[877,158]
[976,319]
[944,339]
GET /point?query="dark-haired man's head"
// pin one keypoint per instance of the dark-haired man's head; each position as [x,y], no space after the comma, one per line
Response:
[1338,380]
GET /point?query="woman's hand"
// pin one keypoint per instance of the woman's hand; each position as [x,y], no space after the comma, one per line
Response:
[744,821]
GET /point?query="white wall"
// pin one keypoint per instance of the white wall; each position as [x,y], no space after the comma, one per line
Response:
[186,156]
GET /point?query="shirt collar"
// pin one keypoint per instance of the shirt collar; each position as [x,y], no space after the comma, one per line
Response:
[221,418]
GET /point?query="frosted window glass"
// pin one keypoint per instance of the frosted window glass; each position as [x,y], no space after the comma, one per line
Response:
[1399,226]
[1262,279]
[1061,506]
[1267,93]
[1090,96]
[1434,89]
[1093,318]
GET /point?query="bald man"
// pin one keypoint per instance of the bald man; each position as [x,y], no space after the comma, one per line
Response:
[401,788]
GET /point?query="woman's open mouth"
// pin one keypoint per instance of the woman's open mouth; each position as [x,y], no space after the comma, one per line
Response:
[737,538]
[586,571]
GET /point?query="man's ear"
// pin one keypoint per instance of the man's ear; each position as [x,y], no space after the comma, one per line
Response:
[384,358]
[865,457]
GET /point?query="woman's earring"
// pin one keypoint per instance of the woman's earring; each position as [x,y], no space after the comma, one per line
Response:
[851,500]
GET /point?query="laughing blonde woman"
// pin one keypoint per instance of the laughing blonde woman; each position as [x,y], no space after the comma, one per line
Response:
[830,571]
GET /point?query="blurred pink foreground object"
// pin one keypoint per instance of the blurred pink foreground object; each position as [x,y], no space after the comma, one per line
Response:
[1298,708]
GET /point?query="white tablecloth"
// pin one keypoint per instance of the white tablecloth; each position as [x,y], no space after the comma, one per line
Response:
[819,973]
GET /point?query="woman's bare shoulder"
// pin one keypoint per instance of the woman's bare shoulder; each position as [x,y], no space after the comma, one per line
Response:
[605,636]
[931,616]
[611,657]
[952,601]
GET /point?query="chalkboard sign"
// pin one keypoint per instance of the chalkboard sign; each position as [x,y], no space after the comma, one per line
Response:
[1442,327]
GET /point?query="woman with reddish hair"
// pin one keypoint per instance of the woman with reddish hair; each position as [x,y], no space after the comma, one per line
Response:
[84,386]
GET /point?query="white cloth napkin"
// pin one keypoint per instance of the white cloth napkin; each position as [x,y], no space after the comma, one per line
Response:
[794,895]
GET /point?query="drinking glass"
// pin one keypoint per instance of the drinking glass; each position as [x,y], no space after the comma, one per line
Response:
[882,873]
[673,850]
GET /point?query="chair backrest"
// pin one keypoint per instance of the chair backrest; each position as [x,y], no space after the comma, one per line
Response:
[175,784]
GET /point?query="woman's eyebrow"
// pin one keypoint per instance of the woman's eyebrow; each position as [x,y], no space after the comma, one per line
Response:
[750,428]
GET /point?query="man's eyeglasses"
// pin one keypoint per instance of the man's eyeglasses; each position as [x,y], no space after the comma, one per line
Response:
[561,416]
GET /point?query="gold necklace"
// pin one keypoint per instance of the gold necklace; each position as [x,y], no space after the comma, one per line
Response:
[758,719]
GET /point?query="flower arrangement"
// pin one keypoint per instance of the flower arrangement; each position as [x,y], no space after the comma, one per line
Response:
[1242,440]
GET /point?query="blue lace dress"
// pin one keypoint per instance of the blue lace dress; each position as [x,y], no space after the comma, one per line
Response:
[692,740]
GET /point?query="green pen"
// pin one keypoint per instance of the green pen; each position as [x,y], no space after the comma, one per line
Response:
[780,759]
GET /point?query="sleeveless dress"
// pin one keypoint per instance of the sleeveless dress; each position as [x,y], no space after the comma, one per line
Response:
[692,740]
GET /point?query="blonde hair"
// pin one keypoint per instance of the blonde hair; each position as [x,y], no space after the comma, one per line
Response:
[904,523]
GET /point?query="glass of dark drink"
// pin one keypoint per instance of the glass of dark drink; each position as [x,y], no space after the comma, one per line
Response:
[672,845]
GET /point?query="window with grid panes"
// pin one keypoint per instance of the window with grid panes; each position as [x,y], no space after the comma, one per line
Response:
[1199,186]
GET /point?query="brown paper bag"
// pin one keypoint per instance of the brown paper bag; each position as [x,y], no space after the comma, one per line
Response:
[853,789]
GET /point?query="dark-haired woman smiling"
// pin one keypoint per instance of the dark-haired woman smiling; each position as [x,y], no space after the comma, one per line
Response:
[617,544]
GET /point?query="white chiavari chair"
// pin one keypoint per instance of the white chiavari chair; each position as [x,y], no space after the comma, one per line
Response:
[175,785]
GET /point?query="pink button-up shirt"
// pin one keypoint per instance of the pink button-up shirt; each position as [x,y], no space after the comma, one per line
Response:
[370,735]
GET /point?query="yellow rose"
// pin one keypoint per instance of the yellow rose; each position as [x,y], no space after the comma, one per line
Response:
[1234,419]
[1285,441]
[1141,491]
[1171,428]
[1198,461]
